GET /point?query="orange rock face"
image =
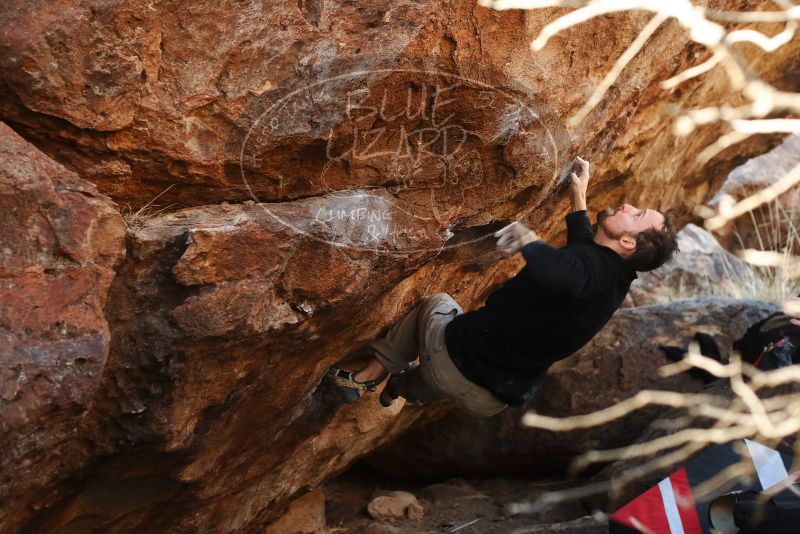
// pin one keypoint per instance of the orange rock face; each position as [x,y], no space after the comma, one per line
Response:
[295,177]
[140,99]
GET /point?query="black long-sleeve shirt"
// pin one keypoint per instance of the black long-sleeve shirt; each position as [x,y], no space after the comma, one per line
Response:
[549,310]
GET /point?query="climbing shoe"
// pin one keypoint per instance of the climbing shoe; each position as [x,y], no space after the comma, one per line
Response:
[349,389]
[389,393]
[388,396]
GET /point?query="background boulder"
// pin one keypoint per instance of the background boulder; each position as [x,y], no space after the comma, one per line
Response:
[773,225]
[701,268]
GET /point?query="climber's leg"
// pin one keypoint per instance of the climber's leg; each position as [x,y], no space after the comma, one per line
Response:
[392,354]
[425,330]
[400,346]
[437,376]
[439,372]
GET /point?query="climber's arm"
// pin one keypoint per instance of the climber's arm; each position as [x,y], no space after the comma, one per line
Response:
[579,182]
[567,271]
[578,226]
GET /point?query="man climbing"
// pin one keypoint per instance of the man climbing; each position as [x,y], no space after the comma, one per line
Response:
[497,355]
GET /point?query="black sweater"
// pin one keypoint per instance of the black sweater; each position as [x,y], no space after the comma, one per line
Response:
[549,310]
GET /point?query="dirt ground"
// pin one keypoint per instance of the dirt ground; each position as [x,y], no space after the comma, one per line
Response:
[456,505]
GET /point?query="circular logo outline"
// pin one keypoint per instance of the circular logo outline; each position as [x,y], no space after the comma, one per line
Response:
[361,192]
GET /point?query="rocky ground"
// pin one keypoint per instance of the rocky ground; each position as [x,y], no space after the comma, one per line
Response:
[360,501]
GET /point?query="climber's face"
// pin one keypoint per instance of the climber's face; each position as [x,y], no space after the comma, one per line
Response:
[625,222]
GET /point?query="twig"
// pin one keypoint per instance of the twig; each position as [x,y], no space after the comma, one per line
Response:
[456,529]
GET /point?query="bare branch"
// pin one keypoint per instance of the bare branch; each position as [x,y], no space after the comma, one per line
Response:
[600,91]
[693,72]
[621,409]
[721,144]
[708,436]
[785,15]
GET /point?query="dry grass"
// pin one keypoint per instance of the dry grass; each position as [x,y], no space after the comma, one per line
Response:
[768,241]
[138,218]
[775,231]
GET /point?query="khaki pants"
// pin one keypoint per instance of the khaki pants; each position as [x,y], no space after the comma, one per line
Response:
[421,333]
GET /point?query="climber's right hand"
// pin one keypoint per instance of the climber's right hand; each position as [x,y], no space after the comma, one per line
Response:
[511,238]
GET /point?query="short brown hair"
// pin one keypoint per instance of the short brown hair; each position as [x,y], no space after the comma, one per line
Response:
[654,247]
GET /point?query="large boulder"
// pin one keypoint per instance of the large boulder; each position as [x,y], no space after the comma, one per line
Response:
[141,98]
[59,244]
[210,411]
[620,361]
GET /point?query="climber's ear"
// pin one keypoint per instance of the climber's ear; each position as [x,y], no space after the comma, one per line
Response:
[628,243]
